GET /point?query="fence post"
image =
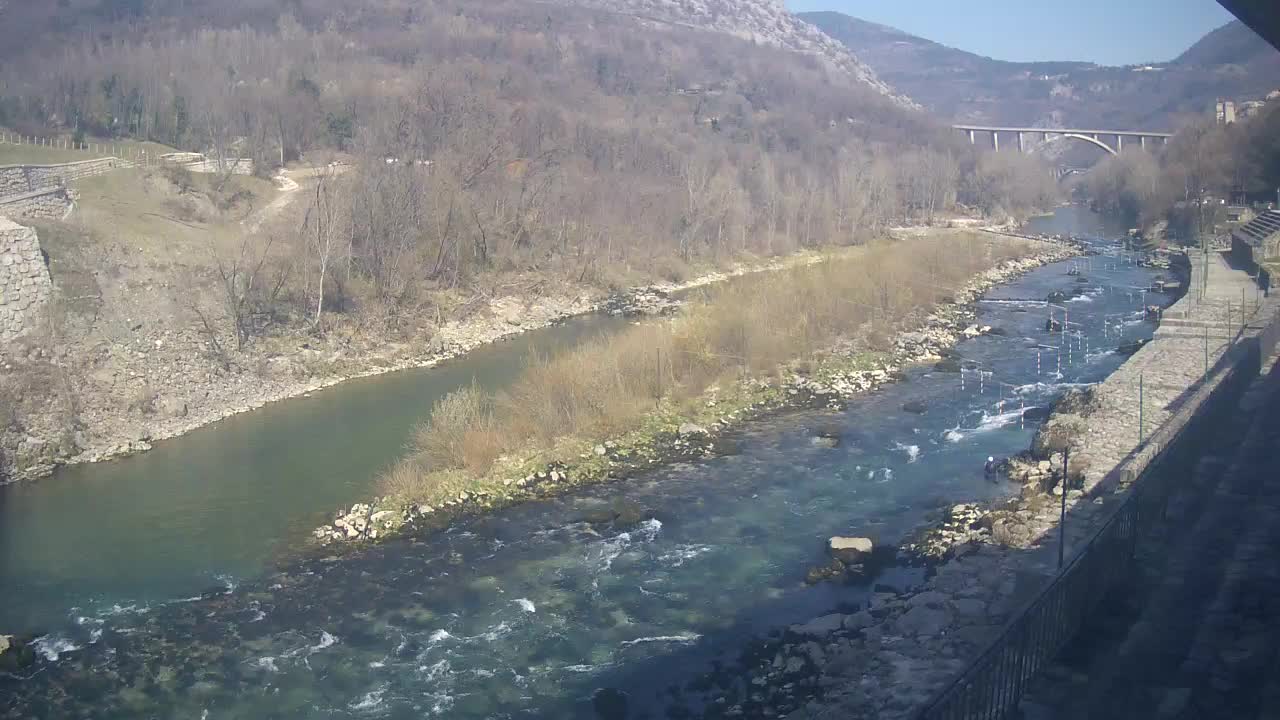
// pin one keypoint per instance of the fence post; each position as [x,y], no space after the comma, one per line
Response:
[1062,520]
[1206,352]
[1141,409]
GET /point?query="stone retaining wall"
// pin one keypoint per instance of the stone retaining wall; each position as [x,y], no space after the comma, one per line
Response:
[52,203]
[17,179]
[24,279]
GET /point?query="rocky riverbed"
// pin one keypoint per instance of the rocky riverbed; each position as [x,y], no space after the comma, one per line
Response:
[845,372]
[884,660]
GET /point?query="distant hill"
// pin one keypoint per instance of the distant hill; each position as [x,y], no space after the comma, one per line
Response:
[1230,62]
[762,21]
[1231,44]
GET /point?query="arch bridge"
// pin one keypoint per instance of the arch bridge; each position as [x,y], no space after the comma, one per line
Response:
[1093,137]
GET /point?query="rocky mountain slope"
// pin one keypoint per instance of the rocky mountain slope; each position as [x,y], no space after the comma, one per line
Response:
[1230,62]
[767,22]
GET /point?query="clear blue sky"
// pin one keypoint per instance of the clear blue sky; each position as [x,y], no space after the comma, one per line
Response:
[1108,32]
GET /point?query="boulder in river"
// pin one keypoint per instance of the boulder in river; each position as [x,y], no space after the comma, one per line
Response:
[917,407]
[1057,296]
[15,654]
[825,441]
[947,365]
[850,550]
[1036,414]
[609,704]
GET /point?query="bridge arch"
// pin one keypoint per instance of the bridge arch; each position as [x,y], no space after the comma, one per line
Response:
[1093,140]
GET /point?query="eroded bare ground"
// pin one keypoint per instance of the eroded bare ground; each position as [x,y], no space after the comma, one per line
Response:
[138,344]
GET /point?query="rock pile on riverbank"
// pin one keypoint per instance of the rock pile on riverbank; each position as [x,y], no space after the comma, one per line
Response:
[878,662]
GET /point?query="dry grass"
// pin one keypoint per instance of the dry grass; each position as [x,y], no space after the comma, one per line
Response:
[752,327]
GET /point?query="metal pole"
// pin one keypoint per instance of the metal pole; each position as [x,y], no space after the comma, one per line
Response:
[1141,408]
[1206,352]
[1062,520]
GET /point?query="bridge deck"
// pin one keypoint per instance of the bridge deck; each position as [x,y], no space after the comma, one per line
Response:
[1061,131]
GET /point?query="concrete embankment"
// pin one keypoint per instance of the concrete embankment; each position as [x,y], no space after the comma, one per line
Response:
[887,660]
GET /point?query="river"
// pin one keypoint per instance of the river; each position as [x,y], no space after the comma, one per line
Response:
[522,613]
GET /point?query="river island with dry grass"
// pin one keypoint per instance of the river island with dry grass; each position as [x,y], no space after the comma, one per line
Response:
[667,390]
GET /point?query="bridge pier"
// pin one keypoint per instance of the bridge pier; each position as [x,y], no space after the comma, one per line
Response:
[1021,146]
[1119,144]
[970,137]
[995,140]
[1142,141]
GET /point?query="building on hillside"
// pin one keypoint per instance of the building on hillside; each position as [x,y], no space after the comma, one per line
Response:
[1250,108]
[1224,111]
[1257,240]
[1239,213]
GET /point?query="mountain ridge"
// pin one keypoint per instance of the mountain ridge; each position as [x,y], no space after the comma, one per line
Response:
[762,21]
[1230,61]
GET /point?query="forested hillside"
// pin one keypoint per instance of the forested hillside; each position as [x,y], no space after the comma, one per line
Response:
[500,134]
[458,161]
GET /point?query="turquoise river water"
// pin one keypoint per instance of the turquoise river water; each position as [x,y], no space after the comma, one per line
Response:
[163,587]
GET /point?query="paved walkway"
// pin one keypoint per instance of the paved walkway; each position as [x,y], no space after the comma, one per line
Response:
[1195,633]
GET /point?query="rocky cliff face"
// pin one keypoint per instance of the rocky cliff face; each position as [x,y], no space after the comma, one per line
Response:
[763,21]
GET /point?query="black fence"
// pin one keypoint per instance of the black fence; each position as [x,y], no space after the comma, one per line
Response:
[994,683]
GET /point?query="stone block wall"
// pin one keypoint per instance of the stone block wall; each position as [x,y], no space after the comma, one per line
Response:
[51,203]
[25,285]
[17,179]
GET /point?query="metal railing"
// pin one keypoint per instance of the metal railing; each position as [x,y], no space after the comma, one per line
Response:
[993,684]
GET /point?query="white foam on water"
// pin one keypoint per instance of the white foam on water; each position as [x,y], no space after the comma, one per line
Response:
[583,668]
[994,422]
[954,435]
[885,475]
[683,553]
[436,672]
[605,552]
[912,451]
[1040,388]
[370,702]
[489,635]
[438,636]
[267,663]
[326,640]
[51,647]
[526,605]
[377,665]
[686,638]
[443,703]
